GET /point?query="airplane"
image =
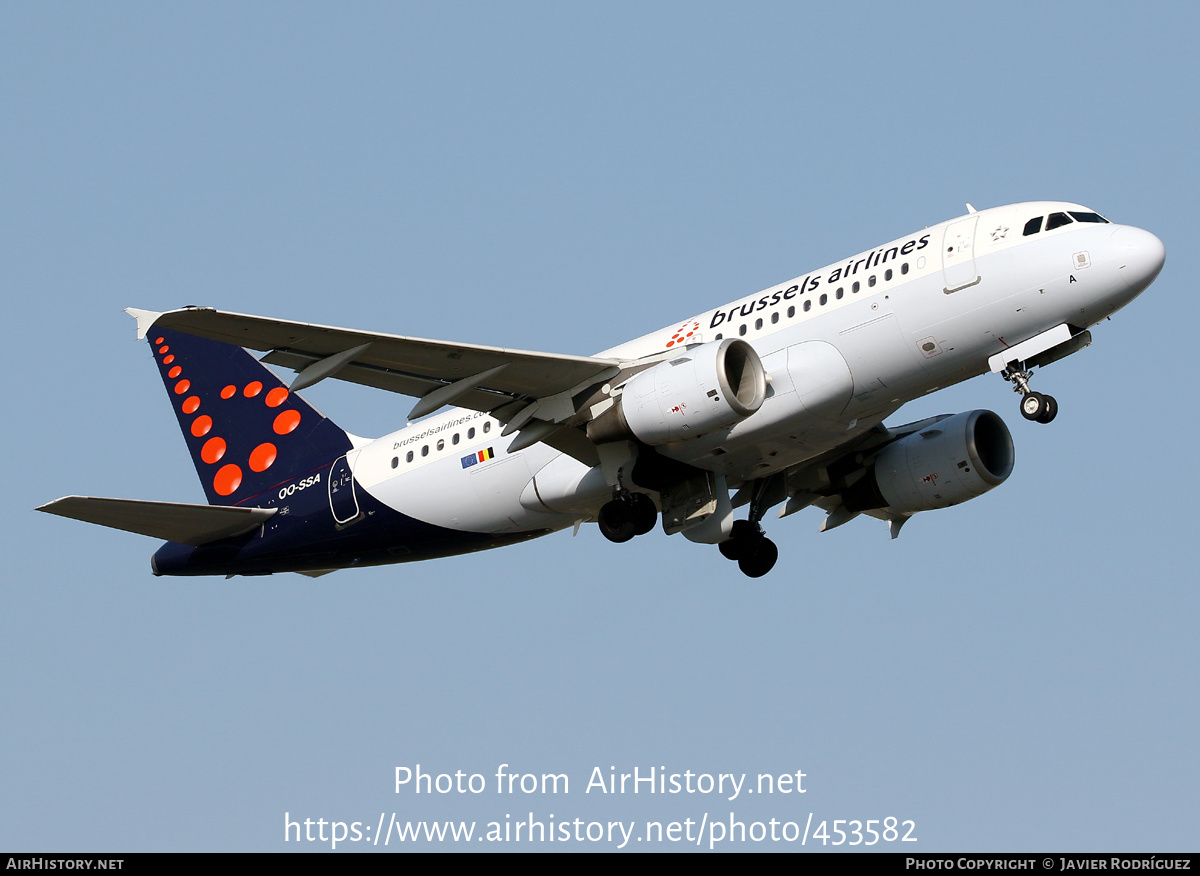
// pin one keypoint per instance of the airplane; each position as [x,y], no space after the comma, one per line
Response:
[776,399]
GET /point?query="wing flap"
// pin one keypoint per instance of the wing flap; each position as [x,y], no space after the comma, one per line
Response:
[170,521]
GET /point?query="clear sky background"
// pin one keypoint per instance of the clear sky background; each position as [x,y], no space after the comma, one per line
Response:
[1018,673]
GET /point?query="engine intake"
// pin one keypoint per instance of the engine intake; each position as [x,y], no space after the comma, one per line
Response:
[946,463]
[704,390]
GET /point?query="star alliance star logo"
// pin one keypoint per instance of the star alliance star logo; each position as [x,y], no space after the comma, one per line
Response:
[1001,231]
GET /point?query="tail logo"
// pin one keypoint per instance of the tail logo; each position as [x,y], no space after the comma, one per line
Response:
[227,478]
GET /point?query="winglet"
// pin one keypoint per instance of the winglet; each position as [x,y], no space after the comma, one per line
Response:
[145,319]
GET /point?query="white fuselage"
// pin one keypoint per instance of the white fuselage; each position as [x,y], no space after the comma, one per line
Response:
[844,347]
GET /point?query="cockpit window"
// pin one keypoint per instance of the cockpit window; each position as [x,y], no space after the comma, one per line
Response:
[1057,220]
[1033,226]
[1089,217]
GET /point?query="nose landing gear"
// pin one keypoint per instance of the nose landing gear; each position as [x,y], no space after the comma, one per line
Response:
[1034,405]
[1039,408]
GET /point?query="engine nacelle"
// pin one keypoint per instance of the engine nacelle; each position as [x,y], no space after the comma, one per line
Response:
[699,392]
[946,463]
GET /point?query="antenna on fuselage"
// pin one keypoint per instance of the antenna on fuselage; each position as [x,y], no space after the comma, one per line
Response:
[971,209]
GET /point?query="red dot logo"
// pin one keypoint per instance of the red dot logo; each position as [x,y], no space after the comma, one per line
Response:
[228,391]
[276,397]
[191,404]
[262,456]
[252,389]
[174,372]
[159,340]
[228,479]
[286,422]
[202,425]
[162,350]
[685,331]
[167,360]
[213,450]
[182,386]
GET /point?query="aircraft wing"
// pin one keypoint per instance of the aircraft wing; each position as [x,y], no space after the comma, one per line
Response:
[506,383]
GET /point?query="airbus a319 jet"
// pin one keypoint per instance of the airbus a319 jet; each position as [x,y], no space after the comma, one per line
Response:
[777,399]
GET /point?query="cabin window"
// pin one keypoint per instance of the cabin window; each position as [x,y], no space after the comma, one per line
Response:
[857,285]
[1057,220]
[454,440]
[720,336]
[840,292]
[871,280]
[487,426]
[807,306]
[1033,226]
[742,329]
[887,275]
[775,317]
[395,461]
[758,324]
[424,449]
[470,433]
[791,312]
[824,298]
[904,268]
[409,457]
[441,444]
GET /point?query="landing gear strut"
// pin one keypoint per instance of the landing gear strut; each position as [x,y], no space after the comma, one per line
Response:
[1034,405]
[627,515]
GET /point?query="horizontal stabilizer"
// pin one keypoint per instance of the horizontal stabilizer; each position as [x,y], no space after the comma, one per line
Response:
[170,521]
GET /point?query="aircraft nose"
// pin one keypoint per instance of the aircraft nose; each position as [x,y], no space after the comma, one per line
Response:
[1139,254]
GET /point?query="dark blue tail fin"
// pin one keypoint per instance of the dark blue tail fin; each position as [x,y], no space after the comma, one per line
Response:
[245,430]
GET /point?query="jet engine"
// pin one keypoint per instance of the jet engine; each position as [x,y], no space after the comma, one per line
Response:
[705,389]
[948,462]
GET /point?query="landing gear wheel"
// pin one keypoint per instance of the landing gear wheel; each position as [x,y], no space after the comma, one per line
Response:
[1051,409]
[644,514]
[760,558]
[1033,406]
[616,521]
[741,539]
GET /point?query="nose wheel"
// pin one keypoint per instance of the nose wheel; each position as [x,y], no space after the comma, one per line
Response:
[1039,408]
[1034,405]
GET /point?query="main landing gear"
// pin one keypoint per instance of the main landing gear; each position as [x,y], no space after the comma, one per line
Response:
[627,515]
[749,546]
[630,514]
[1034,405]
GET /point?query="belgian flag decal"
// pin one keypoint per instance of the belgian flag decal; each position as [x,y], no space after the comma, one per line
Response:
[473,458]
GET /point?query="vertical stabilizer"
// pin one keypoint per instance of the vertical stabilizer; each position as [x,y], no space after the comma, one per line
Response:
[246,431]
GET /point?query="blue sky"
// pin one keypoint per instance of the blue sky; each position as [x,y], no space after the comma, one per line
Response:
[1016,673]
